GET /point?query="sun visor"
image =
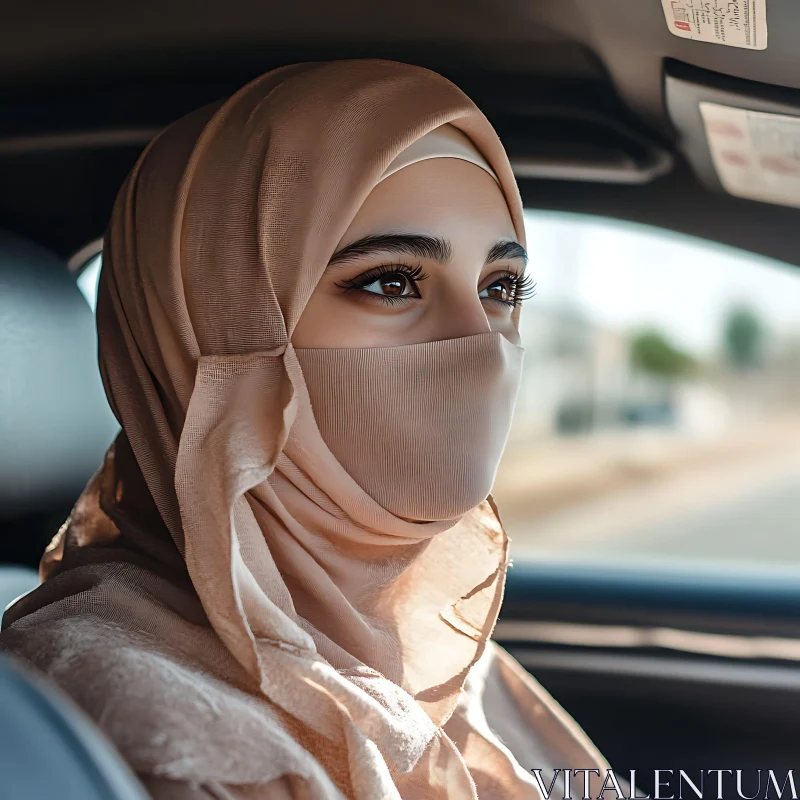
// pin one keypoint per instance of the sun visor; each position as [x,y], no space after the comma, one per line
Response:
[571,144]
[740,137]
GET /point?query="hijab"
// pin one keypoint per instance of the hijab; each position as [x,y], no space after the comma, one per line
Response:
[251,601]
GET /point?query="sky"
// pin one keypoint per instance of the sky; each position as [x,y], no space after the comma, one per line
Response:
[624,275]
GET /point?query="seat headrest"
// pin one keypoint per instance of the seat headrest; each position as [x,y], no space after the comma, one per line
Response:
[49,748]
[55,423]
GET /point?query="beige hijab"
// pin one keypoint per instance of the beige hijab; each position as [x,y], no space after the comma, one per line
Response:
[242,617]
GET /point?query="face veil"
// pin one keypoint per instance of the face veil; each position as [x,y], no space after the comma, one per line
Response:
[420,428]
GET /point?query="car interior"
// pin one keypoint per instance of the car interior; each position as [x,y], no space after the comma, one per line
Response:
[602,108]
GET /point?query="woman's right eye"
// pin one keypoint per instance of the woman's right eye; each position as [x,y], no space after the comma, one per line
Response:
[389,282]
[392,285]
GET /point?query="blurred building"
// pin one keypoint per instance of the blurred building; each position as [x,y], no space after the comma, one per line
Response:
[578,379]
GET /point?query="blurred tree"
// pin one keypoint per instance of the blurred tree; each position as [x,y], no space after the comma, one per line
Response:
[743,338]
[652,352]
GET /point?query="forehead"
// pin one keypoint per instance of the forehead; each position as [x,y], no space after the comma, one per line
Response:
[445,197]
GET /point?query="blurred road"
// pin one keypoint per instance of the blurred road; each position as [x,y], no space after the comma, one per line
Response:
[745,509]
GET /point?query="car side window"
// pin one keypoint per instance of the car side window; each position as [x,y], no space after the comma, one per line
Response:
[88,279]
[659,415]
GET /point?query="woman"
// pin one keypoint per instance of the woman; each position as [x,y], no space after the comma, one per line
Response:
[282,582]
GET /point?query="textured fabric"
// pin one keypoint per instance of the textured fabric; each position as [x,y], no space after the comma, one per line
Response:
[240,616]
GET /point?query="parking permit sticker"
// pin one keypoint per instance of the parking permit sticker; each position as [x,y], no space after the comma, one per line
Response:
[756,155]
[735,23]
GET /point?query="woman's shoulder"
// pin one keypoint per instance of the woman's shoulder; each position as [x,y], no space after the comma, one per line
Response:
[146,673]
[108,613]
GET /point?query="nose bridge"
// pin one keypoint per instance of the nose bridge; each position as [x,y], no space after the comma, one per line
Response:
[464,316]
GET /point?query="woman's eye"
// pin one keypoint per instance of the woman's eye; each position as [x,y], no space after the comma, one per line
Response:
[499,290]
[509,289]
[391,285]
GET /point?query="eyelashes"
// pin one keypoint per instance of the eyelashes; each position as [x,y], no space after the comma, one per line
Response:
[516,288]
[399,283]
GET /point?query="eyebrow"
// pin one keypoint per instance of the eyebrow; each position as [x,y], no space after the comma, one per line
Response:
[419,245]
[408,244]
[508,249]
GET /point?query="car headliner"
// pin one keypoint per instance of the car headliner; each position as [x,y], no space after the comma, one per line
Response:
[74,69]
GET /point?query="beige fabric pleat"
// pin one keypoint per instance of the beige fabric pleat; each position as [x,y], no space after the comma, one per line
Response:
[229,600]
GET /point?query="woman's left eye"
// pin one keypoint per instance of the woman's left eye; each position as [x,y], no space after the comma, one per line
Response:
[509,289]
[499,290]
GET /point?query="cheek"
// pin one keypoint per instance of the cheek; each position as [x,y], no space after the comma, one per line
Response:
[333,319]
[503,321]
[323,324]
[511,332]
